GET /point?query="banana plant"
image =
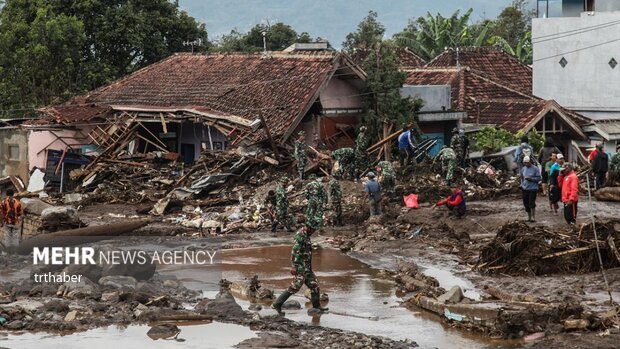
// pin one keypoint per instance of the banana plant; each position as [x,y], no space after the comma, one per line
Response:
[522,51]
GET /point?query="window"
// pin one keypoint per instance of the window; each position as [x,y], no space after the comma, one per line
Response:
[613,63]
[13,152]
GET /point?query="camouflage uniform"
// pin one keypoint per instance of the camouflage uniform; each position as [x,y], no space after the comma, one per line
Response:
[448,162]
[301,157]
[361,156]
[282,206]
[345,158]
[457,144]
[387,179]
[301,258]
[315,193]
[335,193]
[614,165]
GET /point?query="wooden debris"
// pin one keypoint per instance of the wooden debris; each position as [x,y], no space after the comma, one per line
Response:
[575,250]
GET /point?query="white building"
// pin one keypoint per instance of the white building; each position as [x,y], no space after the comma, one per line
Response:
[576,60]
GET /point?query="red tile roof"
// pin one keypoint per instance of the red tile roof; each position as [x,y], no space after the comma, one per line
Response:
[280,86]
[491,62]
[406,58]
[70,113]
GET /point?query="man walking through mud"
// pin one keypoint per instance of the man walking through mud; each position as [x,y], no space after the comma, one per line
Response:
[10,214]
[301,260]
[530,177]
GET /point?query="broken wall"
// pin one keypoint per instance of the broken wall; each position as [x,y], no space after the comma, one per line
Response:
[196,134]
[39,141]
[14,153]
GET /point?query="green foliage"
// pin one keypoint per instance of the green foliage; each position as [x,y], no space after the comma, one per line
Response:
[614,165]
[491,139]
[514,22]
[535,139]
[430,35]
[523,50]
[278,37]
[53,50]
[384,104]
[369,33]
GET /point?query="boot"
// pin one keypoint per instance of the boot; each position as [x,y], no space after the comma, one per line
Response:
[316,302]
[274,226]
[529,216]
[277,305]
[533,214]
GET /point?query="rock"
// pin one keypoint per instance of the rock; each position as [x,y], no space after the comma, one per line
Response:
[73,198]
[454,295]
[72,315]
[34,206]
[84,289]
[225,306]
[202,305]
[16,325]
[137,271]
[291,304]
[139,310]
[576,324]
[163,331]
[92,272]
[56,306]
[66,211]
[255,307]
[28,305]
[171,284]
[269,340]
[118,281]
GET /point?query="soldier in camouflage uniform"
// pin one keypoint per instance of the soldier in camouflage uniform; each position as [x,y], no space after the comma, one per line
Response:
[335,194]
[361,156]
[301,259]
[448,162]
[300,154]
[315,194]
[457,143]
[345,158]
[282,213]
[387,176]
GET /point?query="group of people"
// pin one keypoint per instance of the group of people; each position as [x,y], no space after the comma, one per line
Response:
[555,177]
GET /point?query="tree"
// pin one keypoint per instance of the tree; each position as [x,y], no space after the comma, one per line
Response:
[232,42]
[278,37]
[384,104]
[369,32]
[53,50]
[430,35]
[522,51]
[514,22]
[491,139]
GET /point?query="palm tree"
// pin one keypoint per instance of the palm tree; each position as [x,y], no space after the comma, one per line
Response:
[429,36]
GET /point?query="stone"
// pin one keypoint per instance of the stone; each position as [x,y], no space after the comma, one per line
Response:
[224,306]
[73,198]
[171,283]
[454,295]
[163,331]
[92,272]
[202,305]
[118,281]
[27,305]
[16,325]
[255,307]
[72,315]
[84,289]
[291,304]
[34,206]
[269,340]
[136,270]
[56,306]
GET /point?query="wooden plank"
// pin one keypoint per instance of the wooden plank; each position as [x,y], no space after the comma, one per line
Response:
[271,142]
[153,144]
[376,146]
[152,135]
[163,122]
[563,253]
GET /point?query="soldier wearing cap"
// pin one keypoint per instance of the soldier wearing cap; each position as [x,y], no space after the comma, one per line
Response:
[282,205]
[315,194]
[300,154]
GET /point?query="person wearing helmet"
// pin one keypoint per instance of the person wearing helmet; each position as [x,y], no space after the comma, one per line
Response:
[301,260]
[372,192]
[530,177]
[282,205]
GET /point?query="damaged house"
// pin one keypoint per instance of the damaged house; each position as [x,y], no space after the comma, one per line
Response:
[484,86]
[188,103]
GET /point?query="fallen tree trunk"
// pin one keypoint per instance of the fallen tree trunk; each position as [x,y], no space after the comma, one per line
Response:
[608,194]
[80,236]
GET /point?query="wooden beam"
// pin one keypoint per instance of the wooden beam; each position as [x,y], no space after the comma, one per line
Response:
[271,142]
[152,135]
[153,144]
[163,122]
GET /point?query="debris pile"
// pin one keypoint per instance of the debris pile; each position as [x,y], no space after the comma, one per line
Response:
[519,249]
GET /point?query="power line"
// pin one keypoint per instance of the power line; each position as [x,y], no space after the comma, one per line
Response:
[571,33]
[577,50]
[593,27]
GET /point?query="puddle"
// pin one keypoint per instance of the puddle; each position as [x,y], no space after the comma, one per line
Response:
[215,335]
[362,297]
[447,280]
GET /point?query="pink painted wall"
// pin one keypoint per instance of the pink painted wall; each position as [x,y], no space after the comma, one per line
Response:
[38,141]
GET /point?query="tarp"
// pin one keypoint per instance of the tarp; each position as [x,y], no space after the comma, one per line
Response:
[411,201]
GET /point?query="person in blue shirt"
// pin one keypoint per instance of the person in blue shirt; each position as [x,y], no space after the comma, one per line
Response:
[372,193]
[530,177]
[406,146]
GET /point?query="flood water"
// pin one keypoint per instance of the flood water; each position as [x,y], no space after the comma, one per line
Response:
[361,299]
[204,336]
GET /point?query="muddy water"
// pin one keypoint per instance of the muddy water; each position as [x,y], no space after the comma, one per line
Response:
[361,298]
[206,336]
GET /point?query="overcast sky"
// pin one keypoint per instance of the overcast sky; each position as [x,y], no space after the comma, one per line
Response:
[329,19]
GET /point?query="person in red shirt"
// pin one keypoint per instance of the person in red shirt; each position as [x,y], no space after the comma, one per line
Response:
[455,203]
[10,214]
[570,193]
